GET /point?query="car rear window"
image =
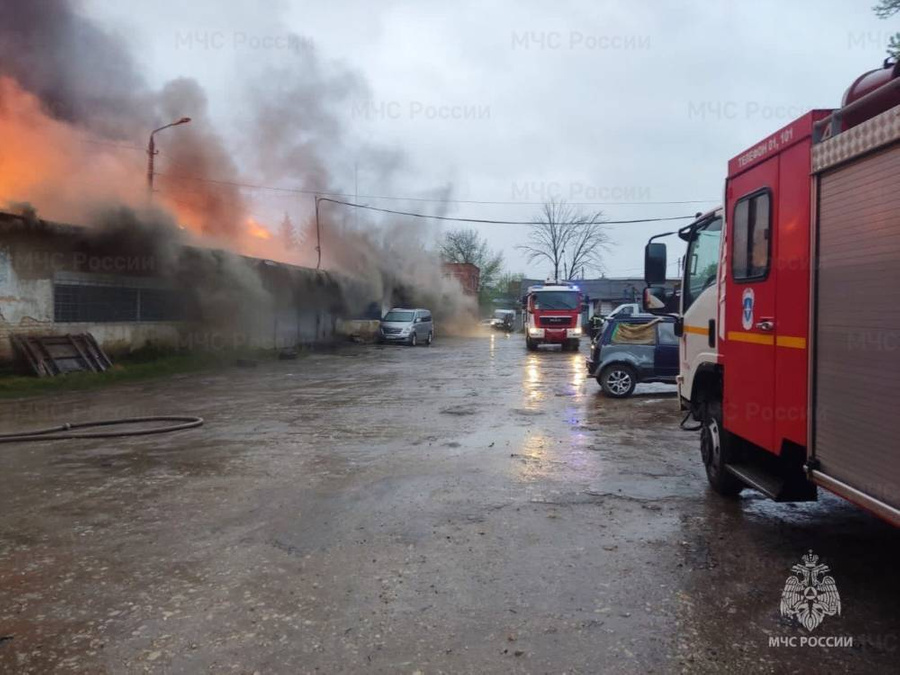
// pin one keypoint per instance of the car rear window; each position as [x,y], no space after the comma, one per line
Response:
[634,333]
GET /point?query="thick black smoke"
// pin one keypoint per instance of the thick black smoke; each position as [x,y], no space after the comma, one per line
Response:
[295,135]
[80,73]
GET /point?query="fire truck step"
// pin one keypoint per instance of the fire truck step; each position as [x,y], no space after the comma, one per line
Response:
[773,486]
[757,478]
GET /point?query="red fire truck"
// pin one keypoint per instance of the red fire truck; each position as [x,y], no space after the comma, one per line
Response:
[789,317]
[553,315]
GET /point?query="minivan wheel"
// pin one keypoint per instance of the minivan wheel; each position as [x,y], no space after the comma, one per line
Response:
[430,338]
[412,340]
[618,380]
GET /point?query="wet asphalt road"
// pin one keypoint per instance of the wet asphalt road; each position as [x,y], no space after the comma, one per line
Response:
[464,508]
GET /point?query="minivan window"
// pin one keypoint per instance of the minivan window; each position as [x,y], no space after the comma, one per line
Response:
[399,317]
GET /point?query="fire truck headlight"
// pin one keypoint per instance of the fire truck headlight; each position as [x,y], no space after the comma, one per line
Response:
[534,331]
[576,331]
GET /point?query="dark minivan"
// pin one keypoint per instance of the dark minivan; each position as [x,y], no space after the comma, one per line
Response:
[634,349]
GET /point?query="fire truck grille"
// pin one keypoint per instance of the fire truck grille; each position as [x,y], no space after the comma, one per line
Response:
[556,321]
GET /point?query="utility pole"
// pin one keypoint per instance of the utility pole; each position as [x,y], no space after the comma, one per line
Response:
[318,236]
[151,153]
[356,194]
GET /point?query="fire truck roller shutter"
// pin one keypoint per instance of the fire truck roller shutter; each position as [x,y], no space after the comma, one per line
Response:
[856,427]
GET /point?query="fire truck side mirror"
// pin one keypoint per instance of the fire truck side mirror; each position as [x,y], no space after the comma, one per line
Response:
[655,264]
[659,300]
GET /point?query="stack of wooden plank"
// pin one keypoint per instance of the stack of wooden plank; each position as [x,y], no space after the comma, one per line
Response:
[51,355]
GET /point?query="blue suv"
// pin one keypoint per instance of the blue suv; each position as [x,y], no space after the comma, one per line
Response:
[634,349]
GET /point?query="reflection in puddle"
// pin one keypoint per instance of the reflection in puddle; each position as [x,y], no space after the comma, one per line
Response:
[578,371]
[534,451]
[532,386]
[532,369]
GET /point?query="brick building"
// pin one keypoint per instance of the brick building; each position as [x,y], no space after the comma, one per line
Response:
[467,274]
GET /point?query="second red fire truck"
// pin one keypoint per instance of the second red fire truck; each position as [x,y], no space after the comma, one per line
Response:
[553,315]
[789,316]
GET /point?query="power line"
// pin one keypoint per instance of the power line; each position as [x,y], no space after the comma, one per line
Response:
[274,188]
[112,144]
[492,222]
[436,200]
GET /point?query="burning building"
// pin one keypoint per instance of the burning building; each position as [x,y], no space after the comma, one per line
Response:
[133,287]
[75,113]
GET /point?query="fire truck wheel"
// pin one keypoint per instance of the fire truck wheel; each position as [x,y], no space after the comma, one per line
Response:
[618,380]
[716,449]
[530,344]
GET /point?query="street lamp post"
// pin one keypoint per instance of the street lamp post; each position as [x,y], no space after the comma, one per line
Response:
[151,153]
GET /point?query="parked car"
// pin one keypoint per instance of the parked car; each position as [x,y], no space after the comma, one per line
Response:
[625,310]
[598,321]
[634,349]
[410,326]
[504,320]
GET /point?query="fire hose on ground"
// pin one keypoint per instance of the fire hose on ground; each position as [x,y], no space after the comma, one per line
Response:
[181,423]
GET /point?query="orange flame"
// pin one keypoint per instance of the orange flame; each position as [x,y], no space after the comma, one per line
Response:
[66,173]
[56,167]
[258,230]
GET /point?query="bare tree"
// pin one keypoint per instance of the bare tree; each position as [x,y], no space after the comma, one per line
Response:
[465,246]
[885,9]
[287,233]
[567,238]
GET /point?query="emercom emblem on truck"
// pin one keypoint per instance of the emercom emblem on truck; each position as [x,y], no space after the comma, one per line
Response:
[747,305]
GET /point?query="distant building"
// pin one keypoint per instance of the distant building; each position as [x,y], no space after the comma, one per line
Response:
[467,274]
[605,294]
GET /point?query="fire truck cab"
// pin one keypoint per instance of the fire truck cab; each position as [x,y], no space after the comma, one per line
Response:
[790,308]
[553,315]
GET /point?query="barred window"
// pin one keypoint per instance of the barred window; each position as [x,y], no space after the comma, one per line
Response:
[108,303]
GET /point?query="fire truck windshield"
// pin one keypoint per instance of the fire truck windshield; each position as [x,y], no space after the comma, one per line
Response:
[702,261]
[556,300]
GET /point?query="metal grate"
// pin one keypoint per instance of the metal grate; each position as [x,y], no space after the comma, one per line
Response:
[104,304]
[160,305]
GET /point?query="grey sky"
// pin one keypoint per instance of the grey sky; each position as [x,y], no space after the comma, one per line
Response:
[514,101]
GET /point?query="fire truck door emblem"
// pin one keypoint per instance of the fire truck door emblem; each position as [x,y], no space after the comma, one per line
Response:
[747,309]
[810,594]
